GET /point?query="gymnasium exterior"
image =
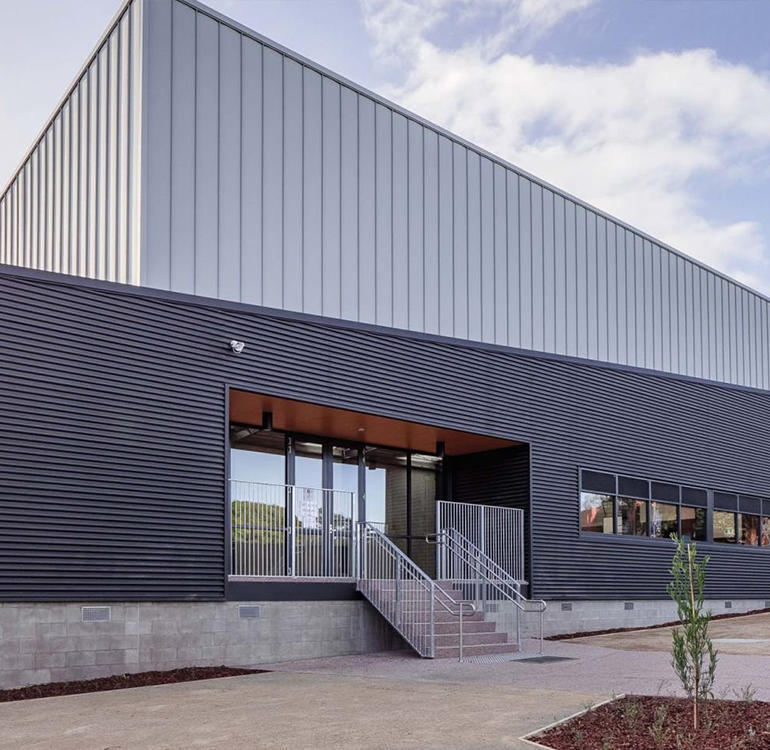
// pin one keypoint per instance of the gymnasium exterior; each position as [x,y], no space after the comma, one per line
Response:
[288,371]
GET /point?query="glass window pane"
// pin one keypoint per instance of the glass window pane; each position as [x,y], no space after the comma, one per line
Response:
[663,520]
[632,516]
[724,527]
[748,529]
[257,456]
[694,523]
[308,464]
[596,512]
[386,489]
[765,531]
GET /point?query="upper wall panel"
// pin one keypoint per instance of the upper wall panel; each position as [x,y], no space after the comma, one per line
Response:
[273,183]
[73,205]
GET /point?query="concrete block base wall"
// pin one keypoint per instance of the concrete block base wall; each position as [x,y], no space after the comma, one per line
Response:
[42,643]
[563,617]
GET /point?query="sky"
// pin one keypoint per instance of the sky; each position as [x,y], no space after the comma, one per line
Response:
[656,111]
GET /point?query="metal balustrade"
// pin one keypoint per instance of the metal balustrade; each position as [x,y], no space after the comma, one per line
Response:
[486,582]
[498,532]
[284,530]
[403,593]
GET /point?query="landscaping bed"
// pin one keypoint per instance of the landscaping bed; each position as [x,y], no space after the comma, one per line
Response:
[659,723]
[117,682]
[673,623]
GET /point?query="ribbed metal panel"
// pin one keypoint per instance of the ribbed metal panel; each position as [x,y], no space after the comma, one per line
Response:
[274,182]
[73,206]
[111,438]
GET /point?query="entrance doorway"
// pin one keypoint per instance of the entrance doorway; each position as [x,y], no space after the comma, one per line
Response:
[295,500]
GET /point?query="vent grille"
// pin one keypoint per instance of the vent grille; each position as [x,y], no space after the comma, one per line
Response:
[95,614]
[628,605]
[566,606]
[728,605]
[248,610]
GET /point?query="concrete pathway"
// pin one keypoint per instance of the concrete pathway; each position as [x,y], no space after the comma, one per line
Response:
[288,710]
[593,669]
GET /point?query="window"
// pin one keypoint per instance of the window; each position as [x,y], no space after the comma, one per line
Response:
[663,520]
[694,523]
[724,527]
[632,516]
[596,512]
[765,531]
[748,529]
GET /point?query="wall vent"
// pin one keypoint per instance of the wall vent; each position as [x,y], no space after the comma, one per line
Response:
[728,605]
[248,610]
[566,606]
[767,604]
[628,605]
[95,614]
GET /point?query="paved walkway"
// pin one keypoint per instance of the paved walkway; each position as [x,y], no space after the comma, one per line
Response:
[287,710]
[391,700]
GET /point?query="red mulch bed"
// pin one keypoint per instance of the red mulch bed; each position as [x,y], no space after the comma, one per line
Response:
[656,723]
[727,616]
[117,682]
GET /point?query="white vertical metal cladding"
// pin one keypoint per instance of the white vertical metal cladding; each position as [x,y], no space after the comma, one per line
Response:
[73,205]
[290,188]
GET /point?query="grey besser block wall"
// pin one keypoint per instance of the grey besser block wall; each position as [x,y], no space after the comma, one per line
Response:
[112,434]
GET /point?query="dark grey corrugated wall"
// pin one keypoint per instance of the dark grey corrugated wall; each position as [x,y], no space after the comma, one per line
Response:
[111,438]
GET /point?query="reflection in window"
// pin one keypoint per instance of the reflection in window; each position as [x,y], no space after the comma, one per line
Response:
[748,529]
[632,516]
[663,520]
[694,523]
[596,512]
[386,489]
[724,527]
[765,531]
[257,456]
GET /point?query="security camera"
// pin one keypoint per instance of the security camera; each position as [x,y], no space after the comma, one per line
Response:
[237,346]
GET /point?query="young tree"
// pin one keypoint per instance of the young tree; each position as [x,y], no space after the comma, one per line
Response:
[693,656]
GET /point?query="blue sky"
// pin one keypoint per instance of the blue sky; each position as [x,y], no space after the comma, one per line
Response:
[657,111]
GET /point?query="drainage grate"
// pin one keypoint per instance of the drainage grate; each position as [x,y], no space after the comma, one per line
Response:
[501,658]
[248,610]
[95,614]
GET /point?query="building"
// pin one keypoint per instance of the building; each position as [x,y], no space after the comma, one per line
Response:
[247,306]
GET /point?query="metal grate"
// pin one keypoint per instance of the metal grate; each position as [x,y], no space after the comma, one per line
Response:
[248,610]
[628,605]
[95,614]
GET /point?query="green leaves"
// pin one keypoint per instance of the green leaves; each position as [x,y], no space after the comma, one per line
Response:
[692,653]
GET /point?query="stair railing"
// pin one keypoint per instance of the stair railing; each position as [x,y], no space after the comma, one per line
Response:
[402,592]
[486,574]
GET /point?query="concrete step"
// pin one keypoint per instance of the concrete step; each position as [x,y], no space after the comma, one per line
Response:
[453,652]
[472,626]
[470,639]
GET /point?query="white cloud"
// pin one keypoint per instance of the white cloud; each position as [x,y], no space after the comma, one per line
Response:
[633,138]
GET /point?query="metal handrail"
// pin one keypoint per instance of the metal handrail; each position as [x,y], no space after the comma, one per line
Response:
[394,609]
[488,570]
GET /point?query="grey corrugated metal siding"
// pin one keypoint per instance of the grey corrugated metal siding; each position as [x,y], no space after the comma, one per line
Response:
[73,206]
[111,437]
[272,182]
[498,477]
